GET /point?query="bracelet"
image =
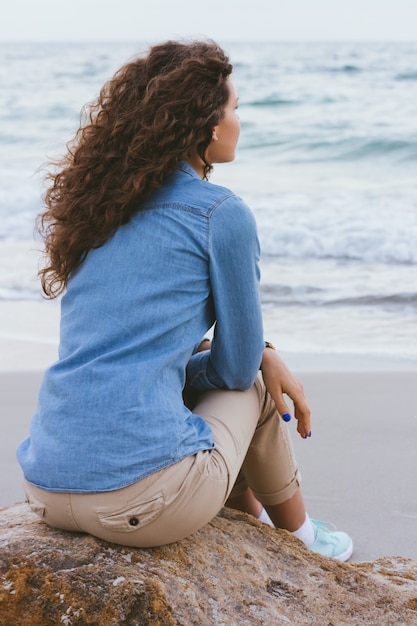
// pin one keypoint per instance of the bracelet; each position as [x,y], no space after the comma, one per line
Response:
[268,344]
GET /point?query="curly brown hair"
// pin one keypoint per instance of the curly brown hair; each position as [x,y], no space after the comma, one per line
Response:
[154,112]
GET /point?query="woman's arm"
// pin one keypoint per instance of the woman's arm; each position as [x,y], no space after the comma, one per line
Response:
[233,256]
[278,380]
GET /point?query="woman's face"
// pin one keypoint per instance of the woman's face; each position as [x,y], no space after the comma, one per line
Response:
[222,148]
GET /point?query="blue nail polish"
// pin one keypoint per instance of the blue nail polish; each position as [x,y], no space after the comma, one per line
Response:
[286,417]
[309,434]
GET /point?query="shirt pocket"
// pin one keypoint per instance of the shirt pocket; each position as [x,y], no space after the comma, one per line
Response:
[135,514]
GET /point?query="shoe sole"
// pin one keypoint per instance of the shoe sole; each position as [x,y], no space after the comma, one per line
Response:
[345,556]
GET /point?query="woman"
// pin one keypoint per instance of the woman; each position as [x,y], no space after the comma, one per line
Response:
[150,256]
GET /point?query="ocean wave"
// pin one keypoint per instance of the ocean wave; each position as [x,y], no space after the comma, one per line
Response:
[412,75]
[345,69]
[387,302]
[304,150]
[321,233]
[370,148]
[272,102]
[310,296]
[291,292]
[343,252]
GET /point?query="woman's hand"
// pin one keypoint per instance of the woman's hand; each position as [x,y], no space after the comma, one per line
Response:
[204,345]
[278,380]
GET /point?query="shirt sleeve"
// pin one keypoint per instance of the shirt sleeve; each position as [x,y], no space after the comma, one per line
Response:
[237,346]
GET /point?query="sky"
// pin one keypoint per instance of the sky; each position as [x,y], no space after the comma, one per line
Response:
[224,20]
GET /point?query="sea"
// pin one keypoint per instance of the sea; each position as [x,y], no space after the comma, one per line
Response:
[327,161]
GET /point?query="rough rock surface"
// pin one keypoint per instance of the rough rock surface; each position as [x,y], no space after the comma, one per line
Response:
[235,571]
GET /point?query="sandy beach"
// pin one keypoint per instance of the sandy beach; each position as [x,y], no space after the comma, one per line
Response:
[358,468]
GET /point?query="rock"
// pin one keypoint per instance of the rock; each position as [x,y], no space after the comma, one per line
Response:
[234,571]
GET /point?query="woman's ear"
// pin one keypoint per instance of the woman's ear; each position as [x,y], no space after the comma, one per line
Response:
[214,136]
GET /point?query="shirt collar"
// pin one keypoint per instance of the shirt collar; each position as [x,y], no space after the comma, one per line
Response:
[185,167]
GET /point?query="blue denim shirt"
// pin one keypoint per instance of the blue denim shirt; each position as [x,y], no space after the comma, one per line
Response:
[110,410]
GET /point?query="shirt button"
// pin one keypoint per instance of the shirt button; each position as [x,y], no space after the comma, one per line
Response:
[133,521]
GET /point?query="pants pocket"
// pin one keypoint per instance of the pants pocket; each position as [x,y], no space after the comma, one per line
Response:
[135,514]
[35,505]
